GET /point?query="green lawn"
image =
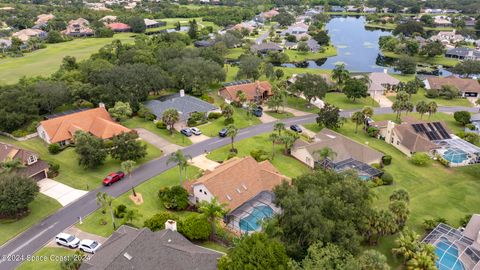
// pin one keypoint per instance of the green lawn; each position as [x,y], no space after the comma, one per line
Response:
[341,101]
[402,77]
[151,203]
[40,208]
[176,137]
[234,53]
[288,72]
[241,120]
[51,263]
[280,114]
[287,165]
[297,56]
[437,60]
[435,191]
[46,61]
[171,23]
[440,101]
[391,26]
[301,104]
[70,172]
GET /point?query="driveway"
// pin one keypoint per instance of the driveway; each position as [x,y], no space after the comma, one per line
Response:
[198,138]
[81,235]
[383,101]
[307,132]
[62,193]
[159,142]
[204,163]
[266,118]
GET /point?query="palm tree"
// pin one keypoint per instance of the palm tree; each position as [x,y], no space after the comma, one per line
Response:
[232,132]
[288,139]
[432,108]
[127,166]
[340,74]
[279,126]
[367,111]
[400,211]
[181,160]
[421,108]
[242,98]
[212,210]
[358,118]
[11,165]
[273,137]
[400,195]
[227,111]
[105,201]
[407,245]
[170,117]
[324,154]
[131,215]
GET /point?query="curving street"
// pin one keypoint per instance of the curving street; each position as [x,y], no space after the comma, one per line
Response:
[19,248]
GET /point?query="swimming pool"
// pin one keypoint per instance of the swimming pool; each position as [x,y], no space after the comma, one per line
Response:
[364,177]
[252,221]
[455,155]
[447,256]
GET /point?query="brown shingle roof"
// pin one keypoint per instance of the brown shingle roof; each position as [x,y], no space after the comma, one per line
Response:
[251,90]
[241,179]
[10,152]
[95,121]
[415,142]
[464,85]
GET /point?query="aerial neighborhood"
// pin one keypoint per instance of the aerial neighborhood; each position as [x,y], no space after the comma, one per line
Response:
[236,134]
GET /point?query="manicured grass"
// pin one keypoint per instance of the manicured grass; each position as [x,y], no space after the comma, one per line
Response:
[46,61]
[288,72]
[151,203]
[403,78]
[391,26]
[435,191]
[171,23]
[73,174]
[40,208]
[280,114]
[287,165]
[298,56]
[437,60]
[313,127]
[214,246]
[241,120]
[53,256]
[234,53]
[301,104]
[176,137]
[447,118]
[420,95]
[341,101]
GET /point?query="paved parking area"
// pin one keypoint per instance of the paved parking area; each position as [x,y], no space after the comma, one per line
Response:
[204,163]
[198,138]
[62,193]
[81,235]
[159,142]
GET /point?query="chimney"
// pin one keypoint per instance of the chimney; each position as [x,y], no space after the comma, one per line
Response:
[171,225]
[101,105]
[182,93]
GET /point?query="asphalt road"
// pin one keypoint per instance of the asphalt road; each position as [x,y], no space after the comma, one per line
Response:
[19,248]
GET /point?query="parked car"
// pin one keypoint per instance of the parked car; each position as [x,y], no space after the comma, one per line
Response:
[112,178]
[257,112]
[186,131]
[223,132]
[296,128]
[195,131]
[67,240]
[89,246]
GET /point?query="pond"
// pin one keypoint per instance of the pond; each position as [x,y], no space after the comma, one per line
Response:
[357,47]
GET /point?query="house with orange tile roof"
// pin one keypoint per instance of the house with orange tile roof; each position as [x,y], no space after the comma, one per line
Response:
[238,183]
[97,121]
[255,91]
[119,27]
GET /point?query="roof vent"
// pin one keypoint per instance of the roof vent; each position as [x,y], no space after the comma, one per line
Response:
[228,197]
[238,190]
[128,256]
[244,187]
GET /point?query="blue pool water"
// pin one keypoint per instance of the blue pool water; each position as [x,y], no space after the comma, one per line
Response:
[364,177]
[447,256]
[252,221]
[455,155]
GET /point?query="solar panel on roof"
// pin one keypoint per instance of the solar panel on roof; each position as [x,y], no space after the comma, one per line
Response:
[416,128]
[442,130]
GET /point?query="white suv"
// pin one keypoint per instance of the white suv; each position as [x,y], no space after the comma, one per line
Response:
[89,246]
[67,240]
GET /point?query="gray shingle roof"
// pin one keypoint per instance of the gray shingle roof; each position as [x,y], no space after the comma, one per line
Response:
[184,105]
[147,250]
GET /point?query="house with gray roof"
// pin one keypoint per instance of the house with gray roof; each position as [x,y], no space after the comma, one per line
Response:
[463,54]
[184,104]
[264,48]
[131,248]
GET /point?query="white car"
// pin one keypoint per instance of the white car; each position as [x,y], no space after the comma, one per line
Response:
[89,246]
[195,131]
[67,240]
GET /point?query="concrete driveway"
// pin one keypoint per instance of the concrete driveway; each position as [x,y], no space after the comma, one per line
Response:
[198,138]
[266,118]
[307,132]
[204,163]
[81,235]
[62,193]
[159,142]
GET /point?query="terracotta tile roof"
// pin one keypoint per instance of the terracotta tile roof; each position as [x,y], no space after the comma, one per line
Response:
[464,85]
[251,90]
[118,26]
[238,180]
[95,121]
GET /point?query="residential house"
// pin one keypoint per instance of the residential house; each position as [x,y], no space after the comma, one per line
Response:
[337,9]
[350,155]
[244,26]
[132,248]
[26,34]
[447,38]
[108,19]
[243,185]
[313,45]
[61,128]
[5,44]
[442,21]
[433,11]
[264,48]
[204,43]
[451,11]
[312,12]
[42,20]
[97,6]
[184,104]
[119,27]
[153,24]
[294,78]
[351,8]
[463,53]
[269,14]
[32,167]
[470,22]
[467,87]
[370,10]
[412,135]
[475,120]
[78,28]
[379,82]
[421,41]
[296,29]
[254,91]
